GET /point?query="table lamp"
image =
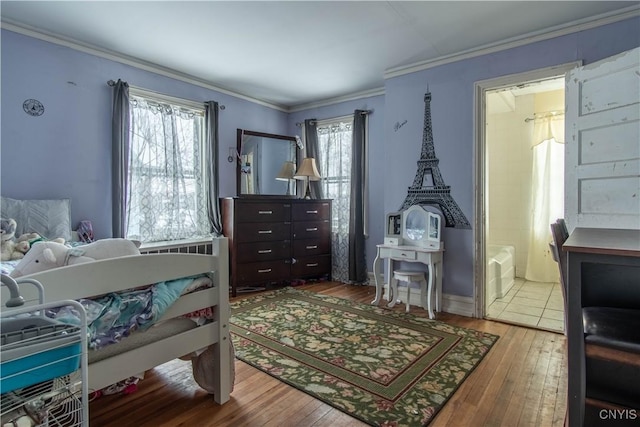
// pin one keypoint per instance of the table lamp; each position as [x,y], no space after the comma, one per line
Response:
[286,174]
[309,172]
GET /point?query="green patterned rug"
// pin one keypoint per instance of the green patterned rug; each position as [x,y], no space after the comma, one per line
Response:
[383,367]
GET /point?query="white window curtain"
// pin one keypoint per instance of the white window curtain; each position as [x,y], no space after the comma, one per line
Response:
[334,151]
[167,192]
[547,197]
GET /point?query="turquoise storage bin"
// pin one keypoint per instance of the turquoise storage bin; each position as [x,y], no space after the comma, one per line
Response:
[36,349]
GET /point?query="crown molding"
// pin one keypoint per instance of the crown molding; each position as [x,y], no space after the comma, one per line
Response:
[330,101]
[557,31]
[550,33]
[127,60]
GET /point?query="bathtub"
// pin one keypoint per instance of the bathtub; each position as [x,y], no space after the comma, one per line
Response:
[501,271]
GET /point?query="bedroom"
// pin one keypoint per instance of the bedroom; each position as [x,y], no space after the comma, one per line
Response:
[67,148]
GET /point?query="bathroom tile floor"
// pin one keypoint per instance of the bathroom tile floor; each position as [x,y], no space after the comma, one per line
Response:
[533,304]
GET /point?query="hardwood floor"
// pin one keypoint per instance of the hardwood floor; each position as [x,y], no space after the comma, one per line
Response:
[522,381]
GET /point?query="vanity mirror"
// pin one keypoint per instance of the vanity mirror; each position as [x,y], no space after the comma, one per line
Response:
[421,227]
[266,164]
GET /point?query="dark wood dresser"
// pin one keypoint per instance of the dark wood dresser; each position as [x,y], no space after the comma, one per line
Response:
[276,240]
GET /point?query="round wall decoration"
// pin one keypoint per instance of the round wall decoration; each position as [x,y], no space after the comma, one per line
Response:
[33,107]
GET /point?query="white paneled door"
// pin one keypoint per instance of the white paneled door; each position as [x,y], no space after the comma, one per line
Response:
[602,134]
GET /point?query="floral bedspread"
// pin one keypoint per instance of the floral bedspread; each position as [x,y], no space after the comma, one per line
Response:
[116,315]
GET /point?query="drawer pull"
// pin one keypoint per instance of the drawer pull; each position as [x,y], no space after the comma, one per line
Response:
[403,254]
[313,264]
[312,247]
[312,212]
[264,231]
[265,270]
[265,251]
[312,229]
[265,212]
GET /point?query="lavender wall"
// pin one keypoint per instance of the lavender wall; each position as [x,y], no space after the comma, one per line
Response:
[67,150]
[452,89]
[66,153]
[376,157]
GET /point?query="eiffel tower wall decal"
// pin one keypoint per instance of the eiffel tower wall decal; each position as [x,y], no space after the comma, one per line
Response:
[428,186]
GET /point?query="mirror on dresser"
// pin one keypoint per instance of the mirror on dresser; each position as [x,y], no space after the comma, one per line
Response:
[266,164]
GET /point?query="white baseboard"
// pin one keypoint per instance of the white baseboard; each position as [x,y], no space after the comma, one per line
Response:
[454,304]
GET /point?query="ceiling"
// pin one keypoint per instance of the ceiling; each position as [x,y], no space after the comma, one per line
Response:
[295,53]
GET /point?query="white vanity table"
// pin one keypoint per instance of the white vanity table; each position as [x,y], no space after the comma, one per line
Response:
[432,258]
[413,235]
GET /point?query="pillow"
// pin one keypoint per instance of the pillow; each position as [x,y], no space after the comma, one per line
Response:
[49,218]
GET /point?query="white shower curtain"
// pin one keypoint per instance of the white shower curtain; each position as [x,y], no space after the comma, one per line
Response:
[547,198]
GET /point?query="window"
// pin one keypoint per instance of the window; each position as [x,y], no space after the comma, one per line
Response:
[334,144]
[167,197]
[334,147]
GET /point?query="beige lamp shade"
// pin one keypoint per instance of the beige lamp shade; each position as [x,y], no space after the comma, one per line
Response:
[286,172]
[308,170]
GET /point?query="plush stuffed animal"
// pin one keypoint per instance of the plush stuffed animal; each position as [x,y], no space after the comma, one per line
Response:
[47,255]
[29,239]
[10,248]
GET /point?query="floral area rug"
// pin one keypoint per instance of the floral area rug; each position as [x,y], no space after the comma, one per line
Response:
[382,367]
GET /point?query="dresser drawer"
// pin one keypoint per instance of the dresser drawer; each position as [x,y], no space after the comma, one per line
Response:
[312,211]
[263,212]
[262,272]
[311,229]
[267,234]
[400,254]
[263,251]
[263,231]
[311,266]
[309,247]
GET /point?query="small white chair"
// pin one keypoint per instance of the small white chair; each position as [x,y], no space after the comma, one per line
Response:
[410,277]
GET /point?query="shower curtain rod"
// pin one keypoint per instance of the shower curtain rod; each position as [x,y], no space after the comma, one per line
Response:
[544,115]
[314,121]
[113,83]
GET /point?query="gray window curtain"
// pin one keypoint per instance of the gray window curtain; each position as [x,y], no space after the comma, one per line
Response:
[120,148]
[357,250]
[212,161]
[311,141]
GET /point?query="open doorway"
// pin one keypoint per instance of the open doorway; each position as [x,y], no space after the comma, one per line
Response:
[524,181]
[520,192]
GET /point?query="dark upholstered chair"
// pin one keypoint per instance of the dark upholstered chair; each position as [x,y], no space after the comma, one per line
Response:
[611,321]
[560,235]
